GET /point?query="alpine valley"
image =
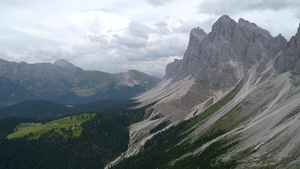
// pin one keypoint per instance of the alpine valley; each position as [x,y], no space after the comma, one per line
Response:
[64,83]
[42,90]
[233,101]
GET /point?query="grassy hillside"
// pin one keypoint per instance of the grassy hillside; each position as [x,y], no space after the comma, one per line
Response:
[67,127]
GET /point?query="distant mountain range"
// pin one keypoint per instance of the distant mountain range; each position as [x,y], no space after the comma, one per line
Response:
[64,83]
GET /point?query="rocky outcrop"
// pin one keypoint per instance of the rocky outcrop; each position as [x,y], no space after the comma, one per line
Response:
[281,41]
[134,77]
[180,69]
[289,59]
[222,57]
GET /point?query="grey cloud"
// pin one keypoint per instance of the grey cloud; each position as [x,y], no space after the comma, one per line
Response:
[42,55]
[130,41]
[100,39]
[158,2]
[274,4]
[167,47]
[171,46]
[218,7]
[187,26]
[50,54]
[3,55]
[139,29]
[94,26]
[104,43]
[162,27]
[135,40]
[135,46]
[136,36]
[297,14]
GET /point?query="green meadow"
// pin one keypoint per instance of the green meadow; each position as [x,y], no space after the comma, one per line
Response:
[66,127]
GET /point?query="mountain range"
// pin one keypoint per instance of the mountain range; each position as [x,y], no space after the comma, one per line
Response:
[64,83]
[233,101]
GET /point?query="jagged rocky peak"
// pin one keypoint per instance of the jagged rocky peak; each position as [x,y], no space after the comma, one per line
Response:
[222,56]
[176,70]
[64,63]
[223,27]
[295,40]
[197,34]
[297,36]
[281,41]
[252,33]
[289,59]
[248,29]
[223,23]
[246,23]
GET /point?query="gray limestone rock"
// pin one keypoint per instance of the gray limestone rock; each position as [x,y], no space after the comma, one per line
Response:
[281,41]
[221,55]
[289,59]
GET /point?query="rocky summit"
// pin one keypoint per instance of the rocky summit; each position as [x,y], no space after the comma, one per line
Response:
[232,101]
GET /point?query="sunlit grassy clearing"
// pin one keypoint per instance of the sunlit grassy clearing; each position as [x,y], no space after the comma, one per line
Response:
[66,127]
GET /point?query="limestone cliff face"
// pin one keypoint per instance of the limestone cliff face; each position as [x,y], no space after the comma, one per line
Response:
[289,59]
[214,63]
[240,79]
[180,69]
[281,41]
[222,56]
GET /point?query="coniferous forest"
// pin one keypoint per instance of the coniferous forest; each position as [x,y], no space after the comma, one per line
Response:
[103,138]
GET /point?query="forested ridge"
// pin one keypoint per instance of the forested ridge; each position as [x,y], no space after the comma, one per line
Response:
[103,138]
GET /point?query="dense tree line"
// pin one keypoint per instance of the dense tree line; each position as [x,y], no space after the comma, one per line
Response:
[7,125]
[103,138]
[159,127]
[43,109]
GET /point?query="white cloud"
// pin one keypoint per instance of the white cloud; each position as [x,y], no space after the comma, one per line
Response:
[139,45]
[162,28]
[139,29]
[158,2]
[276,16]
[234,7]
[115,36]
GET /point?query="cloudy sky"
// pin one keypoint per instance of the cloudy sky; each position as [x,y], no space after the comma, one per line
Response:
[117,35]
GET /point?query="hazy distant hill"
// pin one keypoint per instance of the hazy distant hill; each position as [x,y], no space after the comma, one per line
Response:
[64,83]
